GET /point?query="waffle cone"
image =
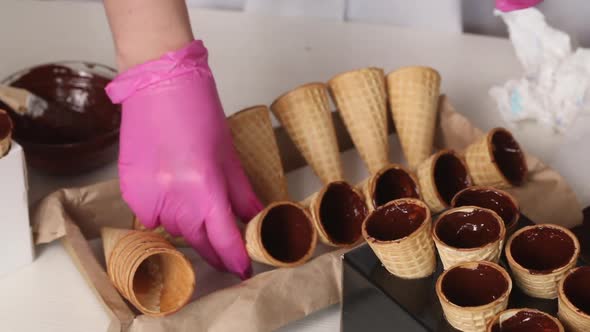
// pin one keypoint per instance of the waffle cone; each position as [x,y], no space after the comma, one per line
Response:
[177,241]
[506,314]
[148,271]
[542,286]
[361,100]
[572,317]
[6,127]
[426,178]
[473,319]
[255,244]
[255,142]
[411,257]
[451,256]
[305,114]
[315,204]
[369,187]
[413,98]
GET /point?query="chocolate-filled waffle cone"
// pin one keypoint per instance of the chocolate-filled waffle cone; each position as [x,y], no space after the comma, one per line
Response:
[524,320]
[451,255]
[361,100]
[441,176]
[255,142]
[473,318]
[148,271]
[305,114]
[539,283]
[413,98]
[573,295]
[338,211]
[496,160]
[406,252]
[390,183]
[281,235]
[6,127]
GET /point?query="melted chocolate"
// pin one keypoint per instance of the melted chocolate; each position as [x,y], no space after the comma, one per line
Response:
[450,176]
[286,233]
[342,212]
[395,221]
[526,321]
[542,249]
[577,289]
[465,230]
[467,287]
[5,125]
[393,184]
[509,157]
[78,107]
[489,199]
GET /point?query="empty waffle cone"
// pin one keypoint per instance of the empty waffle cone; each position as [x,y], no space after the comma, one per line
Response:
[408,256]
[505,316]
[451,255]
[413,98]
[361,100]
[487,164]
[390,183]
[281,235]
[573,317]
[148,271]
[473,318]
[447,167]
[535,284]
[178,241]
[305,114]
[6,128]
[255,142]
[337,212]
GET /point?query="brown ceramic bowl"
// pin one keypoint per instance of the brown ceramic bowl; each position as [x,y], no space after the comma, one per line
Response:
[80,130]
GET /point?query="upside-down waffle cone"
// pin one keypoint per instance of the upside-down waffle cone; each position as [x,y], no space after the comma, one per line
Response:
[255,242]
[507,314]
[426,178]
[574,319]
[178,241]
[255,142]
[542,286]
[473,319]
[315,204]
[411,257]
[148,271]
[361,100]
[369,187]
[6,127]
[482,165]
[305,114]
[451,256]
[413,98]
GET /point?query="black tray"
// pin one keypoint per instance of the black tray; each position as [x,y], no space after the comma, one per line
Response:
[375,300]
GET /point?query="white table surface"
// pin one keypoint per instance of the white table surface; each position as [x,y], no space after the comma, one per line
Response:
[254,59]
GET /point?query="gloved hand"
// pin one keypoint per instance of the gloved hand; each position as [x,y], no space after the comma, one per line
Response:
[510,5]
[177,163]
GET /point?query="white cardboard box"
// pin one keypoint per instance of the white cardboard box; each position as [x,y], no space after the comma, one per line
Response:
[16,246]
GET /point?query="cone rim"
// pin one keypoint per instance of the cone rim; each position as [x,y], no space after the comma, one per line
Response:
[415,233]
[294,91]
[517,266]
[496,317]
[435,157]
[373,179]
[352,72]
[563,297]
[439,241]
[413,68]
[246,111]
[504,297]
[490,145]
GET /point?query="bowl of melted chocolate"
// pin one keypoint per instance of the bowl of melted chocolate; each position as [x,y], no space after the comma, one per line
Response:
[79,130]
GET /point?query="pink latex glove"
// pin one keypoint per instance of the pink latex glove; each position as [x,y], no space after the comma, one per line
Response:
[510,5]
[177,163]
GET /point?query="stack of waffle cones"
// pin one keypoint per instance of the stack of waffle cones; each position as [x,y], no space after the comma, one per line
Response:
[148,271]
[255,142]
[6,128]
[413,98]
[361,100]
